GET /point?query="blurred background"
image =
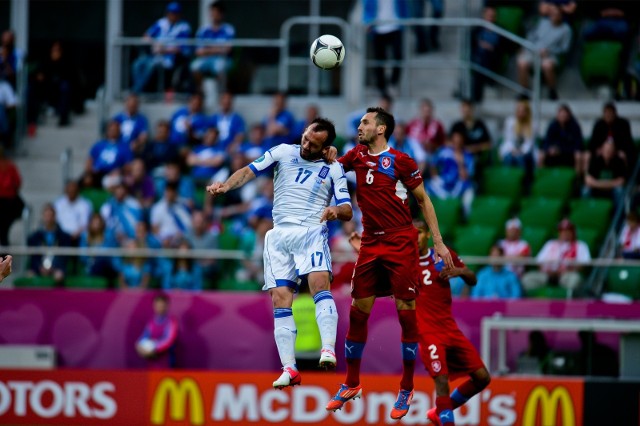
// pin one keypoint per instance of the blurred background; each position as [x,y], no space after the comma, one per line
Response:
[115,114]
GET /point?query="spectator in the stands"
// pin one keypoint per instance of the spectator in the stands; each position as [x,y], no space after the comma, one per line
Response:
[341,249]
[48,235]
[53,86]
[386,39]
[96,236]
[538,352]
[452,170]
[207,159]
[170,218]
[563,143]
[230,124]
[188,124]
[513,246]
[108,154]
[122,211]
[158,340]
[133,272]
[630,237]
[554,260]
[139,184]
[478,138]
[202,237]
[487,52]
[610,20]
[213,59]
[73,211]
[605,176]
[496,281]
[612,127]
[10,200]
[8,103]
[166,55]
[184,273]
[401,141]
[160,150]
[173,174]
[426,129]
[252,243]
[134,127]
[519,137]
[280,122]
[552,39]
[10,57]
[255,146]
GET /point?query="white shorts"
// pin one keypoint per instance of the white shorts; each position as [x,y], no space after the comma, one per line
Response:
[292,251]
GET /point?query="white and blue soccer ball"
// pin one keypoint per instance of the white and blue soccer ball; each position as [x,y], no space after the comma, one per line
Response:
[327,52]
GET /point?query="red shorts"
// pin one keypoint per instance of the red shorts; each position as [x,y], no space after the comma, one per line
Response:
[387,265]
[449,353]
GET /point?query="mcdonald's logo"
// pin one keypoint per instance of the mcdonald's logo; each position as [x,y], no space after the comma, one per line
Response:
[549,402]
[177,393]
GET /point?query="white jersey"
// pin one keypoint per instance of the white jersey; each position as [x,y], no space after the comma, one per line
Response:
[302,189]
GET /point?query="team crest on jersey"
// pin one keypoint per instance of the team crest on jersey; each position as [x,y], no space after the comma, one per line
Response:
[324,171]
[436,366]
[386,162]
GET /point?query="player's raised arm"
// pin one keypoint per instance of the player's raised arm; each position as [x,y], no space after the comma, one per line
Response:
[429,214]
[467,275]
[236,180]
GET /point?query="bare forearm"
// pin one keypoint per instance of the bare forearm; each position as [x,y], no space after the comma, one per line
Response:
[429,213]
[345,212]
[239,178]
[469,277]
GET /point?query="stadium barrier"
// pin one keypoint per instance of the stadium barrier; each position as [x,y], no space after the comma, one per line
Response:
[98,329]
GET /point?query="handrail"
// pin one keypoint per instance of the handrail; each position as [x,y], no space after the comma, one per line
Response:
[238,255]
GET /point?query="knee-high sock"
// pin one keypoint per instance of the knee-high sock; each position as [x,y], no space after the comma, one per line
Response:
[354,344]
[444,410]
[464,392]
[327,319]
[285,334]
[409,327]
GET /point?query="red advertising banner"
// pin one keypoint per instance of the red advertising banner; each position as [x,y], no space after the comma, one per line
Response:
[74,397]
[77,397]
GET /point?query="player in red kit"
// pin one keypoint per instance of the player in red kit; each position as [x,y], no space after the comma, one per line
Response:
[387,263]
[445,351]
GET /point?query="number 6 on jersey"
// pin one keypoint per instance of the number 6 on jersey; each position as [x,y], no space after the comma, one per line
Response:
[369,177]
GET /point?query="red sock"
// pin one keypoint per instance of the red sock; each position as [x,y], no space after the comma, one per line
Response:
[444,404]
[354,344]
[409,327]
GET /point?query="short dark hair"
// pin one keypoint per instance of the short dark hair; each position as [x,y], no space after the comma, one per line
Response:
[610,105]
[325,125]
[419,222]
[218,5]
[171,186]
[384,118]
[161,296]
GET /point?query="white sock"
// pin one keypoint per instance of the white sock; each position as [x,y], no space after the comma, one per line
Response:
[327,319]
[285,334]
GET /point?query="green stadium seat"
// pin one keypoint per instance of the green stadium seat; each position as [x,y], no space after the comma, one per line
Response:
[536,237]
[591,213]
[554,182]
[228,240]
[30,282]
[490,212]
[511,18]
[541,212]
[548,292]
[86,282]
[502,182]
[97,197]
[624,280]
[474,240]
[600,62]
[449,214]
[592,238]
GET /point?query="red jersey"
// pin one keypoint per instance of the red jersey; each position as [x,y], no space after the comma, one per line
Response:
[433,305]
[382,183]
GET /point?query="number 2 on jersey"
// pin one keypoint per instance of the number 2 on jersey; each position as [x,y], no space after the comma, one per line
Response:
[432,351]
[316,258]
[427,277]
[307,173]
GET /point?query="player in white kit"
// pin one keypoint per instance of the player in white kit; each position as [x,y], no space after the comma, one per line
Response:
[296,249]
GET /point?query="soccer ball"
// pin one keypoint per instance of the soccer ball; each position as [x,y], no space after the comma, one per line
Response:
[327,52]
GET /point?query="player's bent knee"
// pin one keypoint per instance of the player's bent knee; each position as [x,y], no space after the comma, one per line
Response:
[404,305]
[318,281]
[365,305]
[482,377]
[281,297]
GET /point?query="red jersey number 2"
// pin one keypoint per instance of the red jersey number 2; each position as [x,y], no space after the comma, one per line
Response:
[426,280]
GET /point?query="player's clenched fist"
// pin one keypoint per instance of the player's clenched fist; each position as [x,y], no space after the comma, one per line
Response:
[216,188]
[330,213]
